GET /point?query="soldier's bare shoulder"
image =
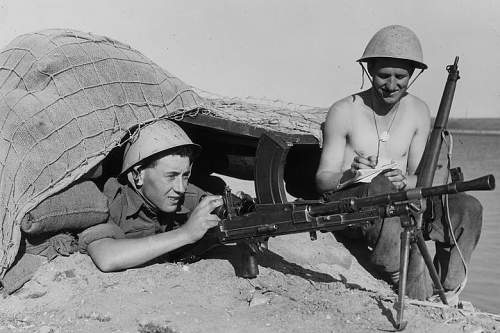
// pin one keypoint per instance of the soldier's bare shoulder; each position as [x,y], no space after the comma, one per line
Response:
[414,104]
[416,111]
[348,105]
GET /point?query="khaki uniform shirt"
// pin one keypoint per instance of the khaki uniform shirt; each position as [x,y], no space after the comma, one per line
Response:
[131,217]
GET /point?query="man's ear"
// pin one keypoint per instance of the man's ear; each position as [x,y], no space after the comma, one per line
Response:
[138,175]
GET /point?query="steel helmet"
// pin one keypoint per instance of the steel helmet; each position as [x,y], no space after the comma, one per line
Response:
[154,138]
[395,41]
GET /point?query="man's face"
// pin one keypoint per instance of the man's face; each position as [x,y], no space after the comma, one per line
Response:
[390,78]
[165,183]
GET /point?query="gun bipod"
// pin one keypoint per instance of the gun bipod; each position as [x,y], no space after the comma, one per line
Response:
[412,234]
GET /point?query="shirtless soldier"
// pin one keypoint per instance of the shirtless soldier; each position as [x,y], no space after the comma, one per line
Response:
[385,127]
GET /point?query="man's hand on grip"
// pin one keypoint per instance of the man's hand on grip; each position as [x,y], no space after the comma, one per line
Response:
[201,218]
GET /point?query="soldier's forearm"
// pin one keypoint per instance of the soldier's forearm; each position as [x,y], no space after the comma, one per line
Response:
[411,181]
[111,255]
[329,180]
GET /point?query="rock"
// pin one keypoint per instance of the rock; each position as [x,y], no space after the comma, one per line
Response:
[328,257]
[150,325]
[299,249]
[475,329]
[467,306]
[46,329]
[37,293]
[258,299]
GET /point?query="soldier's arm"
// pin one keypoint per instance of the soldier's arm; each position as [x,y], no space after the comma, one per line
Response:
[110,254]
[422,120]
[336,129]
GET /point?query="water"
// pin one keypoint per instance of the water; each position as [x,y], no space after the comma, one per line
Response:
[479,155]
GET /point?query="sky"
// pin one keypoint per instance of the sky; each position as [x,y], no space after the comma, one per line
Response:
[297,51]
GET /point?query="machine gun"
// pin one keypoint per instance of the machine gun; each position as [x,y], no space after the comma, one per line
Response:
[243,221]
[270,220]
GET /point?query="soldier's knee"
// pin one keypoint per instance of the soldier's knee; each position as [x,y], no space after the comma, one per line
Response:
[473,205]
[380,184]
[469,209]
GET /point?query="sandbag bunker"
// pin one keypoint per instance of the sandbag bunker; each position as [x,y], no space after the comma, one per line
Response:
[70,100]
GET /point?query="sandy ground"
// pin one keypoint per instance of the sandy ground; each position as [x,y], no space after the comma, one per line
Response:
[303,286]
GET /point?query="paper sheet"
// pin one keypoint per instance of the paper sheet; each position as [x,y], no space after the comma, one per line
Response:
[366,175]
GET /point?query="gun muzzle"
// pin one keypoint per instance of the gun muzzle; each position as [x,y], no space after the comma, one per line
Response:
[484,183]
[348,205]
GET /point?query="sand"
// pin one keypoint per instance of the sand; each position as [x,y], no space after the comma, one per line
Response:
[303,286]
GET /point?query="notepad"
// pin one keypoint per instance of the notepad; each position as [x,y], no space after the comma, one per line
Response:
[366,175]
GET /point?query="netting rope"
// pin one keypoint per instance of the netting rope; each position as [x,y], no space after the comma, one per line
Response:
[67,98]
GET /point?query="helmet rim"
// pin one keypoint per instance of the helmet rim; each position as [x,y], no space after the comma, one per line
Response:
[153,139]
[397,42]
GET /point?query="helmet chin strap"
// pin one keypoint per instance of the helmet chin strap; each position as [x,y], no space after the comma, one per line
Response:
[365,71]
[409,84]
[132,181]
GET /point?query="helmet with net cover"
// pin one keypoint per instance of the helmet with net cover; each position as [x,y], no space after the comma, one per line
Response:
[395,41]
[154,138]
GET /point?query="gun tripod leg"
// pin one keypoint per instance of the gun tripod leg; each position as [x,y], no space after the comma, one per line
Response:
[403,273]
[430,266]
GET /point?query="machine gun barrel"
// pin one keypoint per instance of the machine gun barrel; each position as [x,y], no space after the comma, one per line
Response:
[348,205]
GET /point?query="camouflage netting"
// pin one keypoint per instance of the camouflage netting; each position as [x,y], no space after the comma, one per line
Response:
[67,99]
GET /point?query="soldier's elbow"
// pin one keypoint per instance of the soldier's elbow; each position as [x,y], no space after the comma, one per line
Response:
[321,182]
[101,257]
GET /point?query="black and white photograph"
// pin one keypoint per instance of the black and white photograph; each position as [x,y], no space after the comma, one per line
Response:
[249,166]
